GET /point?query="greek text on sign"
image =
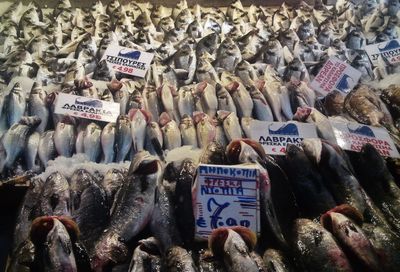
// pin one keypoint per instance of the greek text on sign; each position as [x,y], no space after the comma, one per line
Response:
[352,136]
[127,61]
[226,196]
[389,51]
[275,136]
[86,107]
[335,75]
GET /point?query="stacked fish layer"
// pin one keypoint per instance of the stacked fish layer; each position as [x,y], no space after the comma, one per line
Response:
[214,71]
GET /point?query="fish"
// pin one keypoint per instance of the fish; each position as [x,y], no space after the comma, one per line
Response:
[205,128]
[133,210]
[225,101]
[46,149]
[154,139]
[15,139]
[151,102]
[208,44]
[231,125]
[64,136]
[317,249]
[123,138]
[301,95]
[108,142]
[242,99]
[139,120]
[186,101]
[311,193]
[185,64]
[275,260]
[146,256]
[213,153]
[228,55]
[89,207]
[111,184]
[53,241]
[92,142]
[15,104]
[171,134]
[167,93]
[120,94]
[55,198]
[37,106]
[31,152]
[342,223]
[262,111]
[205,71]
[178,259]
[208,263]
[188,131]
[233,246]
[208,98]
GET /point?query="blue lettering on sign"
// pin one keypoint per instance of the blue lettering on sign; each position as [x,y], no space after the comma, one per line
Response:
[215,216]
[289,129]
[201,222]
[362,130]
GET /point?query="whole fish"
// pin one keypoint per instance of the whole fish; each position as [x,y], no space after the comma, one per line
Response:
[15,104]
[342,223]
[167,93]
[225,101]
[205,71]
[92,142]
[231,125]
[15,139]
[234,246]
[37,106]
[111,183]
[311,193]
[186,104]
[31,152]
[123,137]
[46,149]
[205,128]
[262,110]
[139,120]
[185,64]
[207,44]
[317,249]
[241,97]
[208,98]
[151,102]
[133,209]
[64,137]
[188,131]
[108,142]
[120,94]
[301,95]
[89,207]
[55,198]
[171,134]
[228,55]
[154,139]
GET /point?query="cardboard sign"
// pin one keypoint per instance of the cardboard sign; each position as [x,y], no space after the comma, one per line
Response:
[275,136]
[86,107]
[226,195]
[128,61]
[388,51]
[352,136]
[335,75]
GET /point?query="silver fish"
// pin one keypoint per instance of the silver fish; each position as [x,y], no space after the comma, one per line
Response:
[246,72]
[262,110]
[171,134]
[154,139]
[151,102]
[228,55]
[108,142]
[205,128]
[91,142]
[139,120]
[167,93]
[205,70]
[208,98]
[31,152]
[46,149]
[185,64]
[123,140]
[186,104]
[241,97]
[64,137]
[37,106]
[225,101]
[188,131]
[16,104]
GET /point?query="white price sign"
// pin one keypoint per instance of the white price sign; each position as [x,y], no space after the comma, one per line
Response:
[275,136]
[352,136]
[335,75]
[86,107]
[226,195]
[128,61]
[389,51]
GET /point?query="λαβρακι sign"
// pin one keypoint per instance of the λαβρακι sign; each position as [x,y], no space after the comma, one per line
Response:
[226,195]
[128,61]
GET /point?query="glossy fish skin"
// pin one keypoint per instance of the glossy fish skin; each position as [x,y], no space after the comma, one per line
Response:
[64,137]
[311,194]
[225,101]
[262,110]
[46,149]
[208,263]
[139,120]
[89,207]
[108,142]
[92,142]
[208,98]
[276,261]
[123,138]
[37,106]
[241,97]
[316,248]
[179,260]
[31,152]
[146,256]
[111,183]
[231,125]
[171,134]
[133,209]
[377,181]
[15,104]
[351,238]
[154,139]
[205,129]
[188,131]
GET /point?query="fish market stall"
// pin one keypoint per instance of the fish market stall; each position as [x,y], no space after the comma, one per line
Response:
[200,136]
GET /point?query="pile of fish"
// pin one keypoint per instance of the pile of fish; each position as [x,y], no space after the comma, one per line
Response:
[214,71]
[321,209]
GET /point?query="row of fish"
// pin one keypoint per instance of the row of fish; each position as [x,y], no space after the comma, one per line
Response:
[353,195]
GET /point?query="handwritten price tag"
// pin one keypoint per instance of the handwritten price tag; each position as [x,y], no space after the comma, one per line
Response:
[226,196]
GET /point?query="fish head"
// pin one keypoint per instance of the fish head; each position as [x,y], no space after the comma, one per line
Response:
[164,119]
[302,113]
[313,149]
[68,120]
[244,151]
[199,117]
[331,218]
[233,86]
[115,85]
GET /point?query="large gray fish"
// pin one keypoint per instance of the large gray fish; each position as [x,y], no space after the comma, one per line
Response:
[55,198]
[123,137]
[139,120]
[15,104]
[171,134]
[121,95]
[89,207]
[317,249]
[54,244]
[64,137]
[207,44]
[46,149]
[167,94]
[108,142]
[37,106]
[234,247]
[188,131]
[205,128]
[132,212]
[301,95]
[92,142]
[296,70]
[246,72]
[205,70]
[103,72]
[15,139]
